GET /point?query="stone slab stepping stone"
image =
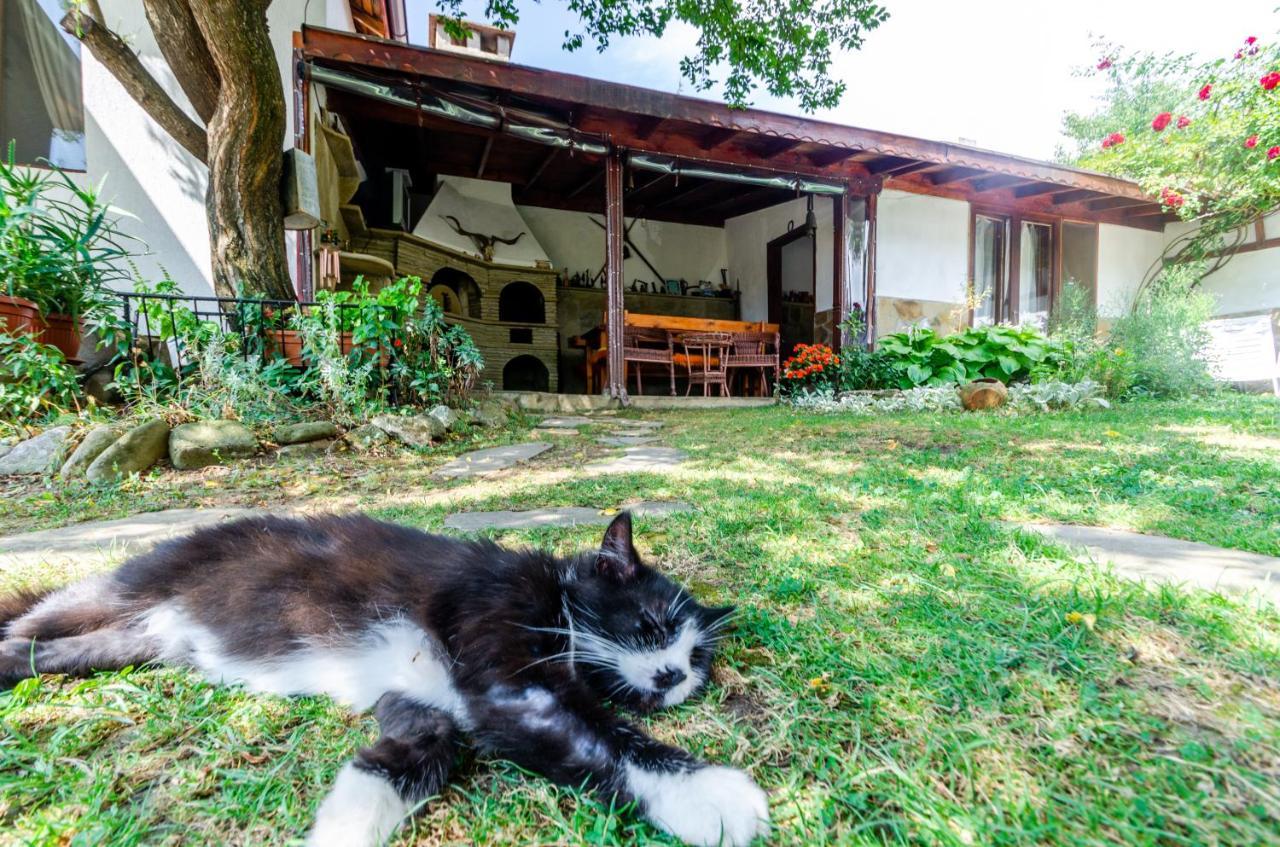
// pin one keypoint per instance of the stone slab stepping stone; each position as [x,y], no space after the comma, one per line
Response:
[639,425]
[302,433]
[547,432]
[626,440]
[98,541]
[565,422]
[491,460]
[638,459]
[563,516]
[1158,559]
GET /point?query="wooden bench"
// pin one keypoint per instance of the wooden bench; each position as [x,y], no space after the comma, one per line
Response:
[596,341]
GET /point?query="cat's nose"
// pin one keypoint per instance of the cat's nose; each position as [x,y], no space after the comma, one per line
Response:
[668,678]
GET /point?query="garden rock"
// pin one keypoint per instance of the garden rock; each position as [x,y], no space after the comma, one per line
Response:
[488,413]
[305,448]
[41,454]
[367,437]
[91,446]
[301,433]
[413,431]
[445,416]
[134,452]
[204,443]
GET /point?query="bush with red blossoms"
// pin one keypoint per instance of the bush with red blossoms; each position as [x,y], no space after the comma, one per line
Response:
[1219,167]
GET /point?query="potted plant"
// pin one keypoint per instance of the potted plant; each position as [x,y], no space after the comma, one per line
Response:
[60,249]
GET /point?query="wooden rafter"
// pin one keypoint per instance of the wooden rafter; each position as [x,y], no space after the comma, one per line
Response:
[831,156]
[1035,189]
[484,156]
[885,164]
[995,181]
[949,175]
[778,146]
[647,125]
[541,168]
[714,137]
[592,180]
[1104,203]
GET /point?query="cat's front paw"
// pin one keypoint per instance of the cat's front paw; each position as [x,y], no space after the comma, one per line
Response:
[362,810]
[708,806]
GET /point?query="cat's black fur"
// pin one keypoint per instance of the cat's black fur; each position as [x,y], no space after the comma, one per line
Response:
[534,646]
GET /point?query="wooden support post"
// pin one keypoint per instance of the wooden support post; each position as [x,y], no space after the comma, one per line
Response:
[304,281]
[840,249]
[614,233]
[869,270]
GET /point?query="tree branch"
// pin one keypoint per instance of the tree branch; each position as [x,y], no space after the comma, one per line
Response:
[124,65]
[184,48]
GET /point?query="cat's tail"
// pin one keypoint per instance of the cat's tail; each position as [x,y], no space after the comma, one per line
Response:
[17,603]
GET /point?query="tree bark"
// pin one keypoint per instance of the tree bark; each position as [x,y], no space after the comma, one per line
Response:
[115,55]
[246,137]
[185,50]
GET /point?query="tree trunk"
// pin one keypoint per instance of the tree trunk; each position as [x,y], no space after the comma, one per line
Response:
[246,136]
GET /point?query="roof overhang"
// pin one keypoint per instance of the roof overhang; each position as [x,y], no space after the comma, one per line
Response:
[647,121]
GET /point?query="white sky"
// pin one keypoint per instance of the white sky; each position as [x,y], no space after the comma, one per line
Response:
[994,72]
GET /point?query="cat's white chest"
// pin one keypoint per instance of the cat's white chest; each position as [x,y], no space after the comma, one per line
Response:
[394,655]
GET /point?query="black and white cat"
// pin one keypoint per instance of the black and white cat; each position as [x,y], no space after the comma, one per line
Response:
[517,650]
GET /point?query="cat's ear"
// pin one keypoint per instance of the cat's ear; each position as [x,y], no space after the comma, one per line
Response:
[715,617]
[617,558]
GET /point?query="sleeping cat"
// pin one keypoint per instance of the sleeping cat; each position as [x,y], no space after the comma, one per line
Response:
[441,638]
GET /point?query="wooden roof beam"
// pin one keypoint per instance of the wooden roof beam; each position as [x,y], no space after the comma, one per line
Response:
[778,146]
[885,164]
[484,157]
[540,169]
[995,181]
[1074,195]
[647,126]
[750,195]
[714,137]
[829,156]
[1036,188]
[1104,203]
[949,175]
[595,177]
[685,193]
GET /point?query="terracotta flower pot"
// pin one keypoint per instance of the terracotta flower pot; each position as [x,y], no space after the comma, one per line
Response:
[287,344]
[63,332]
[985,393]
[18,316]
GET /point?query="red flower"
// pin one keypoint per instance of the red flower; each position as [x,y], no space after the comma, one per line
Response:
[1270,81]
[1104,64]
[1251,142]
[1204,92]
[1112,140]
[1253,39]
[397,343]
[1273,153]
[1170,198]
[1183,121]
[1161,121]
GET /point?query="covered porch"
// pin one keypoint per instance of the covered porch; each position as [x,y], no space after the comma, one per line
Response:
[640,202]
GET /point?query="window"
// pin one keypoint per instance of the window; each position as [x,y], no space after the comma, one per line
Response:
[989,260]
[1018,266]
[1035,273]
[41,110]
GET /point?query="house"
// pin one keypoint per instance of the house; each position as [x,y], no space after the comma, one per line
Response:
[539,204]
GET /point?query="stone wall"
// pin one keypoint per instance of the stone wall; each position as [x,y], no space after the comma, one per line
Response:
[500,342]
[896,314]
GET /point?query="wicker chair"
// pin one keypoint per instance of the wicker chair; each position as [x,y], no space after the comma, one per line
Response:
[642,347]
[705,356]
[758,350]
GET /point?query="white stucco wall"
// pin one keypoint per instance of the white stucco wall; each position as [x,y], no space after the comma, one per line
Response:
[1249,282]
[678,251]
[147,174]
[747,238]
[922,247]
[1125,255]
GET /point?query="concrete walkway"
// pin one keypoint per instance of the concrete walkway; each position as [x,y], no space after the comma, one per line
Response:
[108,540]
[1157,559]
[563,516]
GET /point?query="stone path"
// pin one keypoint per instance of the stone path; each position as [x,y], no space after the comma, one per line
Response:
[563,516]
[103,540]
[626,440]
[565,422]
[1155,558]
[492,460]
[637,459]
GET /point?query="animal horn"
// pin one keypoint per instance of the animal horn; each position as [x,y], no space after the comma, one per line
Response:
[509,240]
[457,226]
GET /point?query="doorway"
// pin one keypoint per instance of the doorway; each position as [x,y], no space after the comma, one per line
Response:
[791,263]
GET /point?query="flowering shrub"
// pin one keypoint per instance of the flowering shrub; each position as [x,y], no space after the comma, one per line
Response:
[1199,134]
[35,380]
[812,367]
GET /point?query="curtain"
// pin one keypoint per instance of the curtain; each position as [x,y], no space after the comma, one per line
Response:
[56,65]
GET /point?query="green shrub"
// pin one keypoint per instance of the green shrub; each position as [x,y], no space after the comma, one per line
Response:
[863,370]
[922,357]
[35,380]
[1163,337]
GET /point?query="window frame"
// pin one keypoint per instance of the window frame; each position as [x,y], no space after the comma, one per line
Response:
[1007,302]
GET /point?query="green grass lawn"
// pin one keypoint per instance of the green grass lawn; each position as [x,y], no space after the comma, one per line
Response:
[905,669]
